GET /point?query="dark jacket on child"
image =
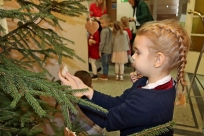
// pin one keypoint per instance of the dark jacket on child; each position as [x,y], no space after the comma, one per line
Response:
[136,109]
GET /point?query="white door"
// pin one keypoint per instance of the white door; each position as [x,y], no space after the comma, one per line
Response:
[195,29]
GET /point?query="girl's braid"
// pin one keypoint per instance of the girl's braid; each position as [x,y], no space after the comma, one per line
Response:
[181,61]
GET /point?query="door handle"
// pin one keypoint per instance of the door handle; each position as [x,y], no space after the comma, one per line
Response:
[197,13]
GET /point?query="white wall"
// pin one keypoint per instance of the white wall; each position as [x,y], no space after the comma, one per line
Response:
[125,9]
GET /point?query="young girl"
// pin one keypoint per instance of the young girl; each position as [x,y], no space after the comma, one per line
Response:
[125,24]
[159,48]
[120,41]
[93,51]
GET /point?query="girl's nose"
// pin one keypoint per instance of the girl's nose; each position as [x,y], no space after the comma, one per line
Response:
[133,56]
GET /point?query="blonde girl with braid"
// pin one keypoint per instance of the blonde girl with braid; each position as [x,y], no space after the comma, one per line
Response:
[159,47]
[169,43]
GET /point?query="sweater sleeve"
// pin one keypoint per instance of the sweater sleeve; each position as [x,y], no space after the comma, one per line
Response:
[141,109]
[103,40]
[144,11]
[133,112]
[108,102]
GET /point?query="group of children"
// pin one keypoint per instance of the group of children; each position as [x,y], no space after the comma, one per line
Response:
[108,44]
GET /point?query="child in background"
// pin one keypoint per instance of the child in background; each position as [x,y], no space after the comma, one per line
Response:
[87,80]
[105,47]
[120,41]
[93,51]
[125,24]
[159,47]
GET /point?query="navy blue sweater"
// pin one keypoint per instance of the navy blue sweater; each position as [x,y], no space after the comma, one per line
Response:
[135,110]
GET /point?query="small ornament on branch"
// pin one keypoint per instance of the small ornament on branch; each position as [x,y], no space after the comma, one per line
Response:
[63,70]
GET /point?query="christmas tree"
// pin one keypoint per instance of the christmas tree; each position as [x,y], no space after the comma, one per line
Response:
[22,112]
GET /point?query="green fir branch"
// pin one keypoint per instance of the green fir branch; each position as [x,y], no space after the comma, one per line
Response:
[156,131]
[4,117]
[68,103]
[70,91]
[35,130]
[32,101]
[92,106]
[7,129]
[39,93]
[66,116]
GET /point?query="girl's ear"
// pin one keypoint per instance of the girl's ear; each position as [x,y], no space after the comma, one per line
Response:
[159,59]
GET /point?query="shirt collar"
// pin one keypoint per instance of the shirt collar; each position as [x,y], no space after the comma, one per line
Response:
[159,82]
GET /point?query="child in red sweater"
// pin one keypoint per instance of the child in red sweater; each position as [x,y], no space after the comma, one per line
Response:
[93,50]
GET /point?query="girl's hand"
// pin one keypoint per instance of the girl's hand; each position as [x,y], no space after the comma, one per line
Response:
[91,41]
[72,81]
[67,80]
[134,76]
[75,83]
[131,19]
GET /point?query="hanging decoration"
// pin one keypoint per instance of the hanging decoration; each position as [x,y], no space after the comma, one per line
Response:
[91,26]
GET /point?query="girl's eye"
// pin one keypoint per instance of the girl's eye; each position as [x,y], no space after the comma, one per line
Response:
[137,52]
[134,49]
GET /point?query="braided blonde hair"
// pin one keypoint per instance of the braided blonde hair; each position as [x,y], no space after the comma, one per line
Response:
[169,38]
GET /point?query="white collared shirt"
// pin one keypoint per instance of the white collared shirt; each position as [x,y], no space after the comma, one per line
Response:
[159,82]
